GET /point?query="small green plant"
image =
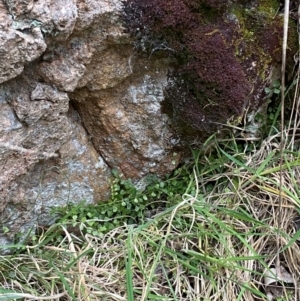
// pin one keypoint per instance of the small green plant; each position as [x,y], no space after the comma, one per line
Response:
[127,205]
[275,88]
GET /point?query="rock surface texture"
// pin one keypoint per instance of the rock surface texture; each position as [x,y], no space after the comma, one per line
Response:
[78,99]
[75,101]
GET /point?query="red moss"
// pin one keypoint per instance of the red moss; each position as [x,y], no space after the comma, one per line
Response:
[207,86]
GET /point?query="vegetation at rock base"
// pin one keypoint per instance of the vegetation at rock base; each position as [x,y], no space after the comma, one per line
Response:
[127,204]
[207,232]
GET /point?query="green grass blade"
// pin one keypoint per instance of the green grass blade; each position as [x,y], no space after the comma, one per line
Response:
[265,162]
[129,274]
[11,296]
[6,295]
[291,241]
[169,283]
[237,162]
[63,280]
[284,166]
[86,252]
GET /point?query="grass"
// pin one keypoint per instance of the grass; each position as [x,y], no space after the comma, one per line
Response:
[214,244]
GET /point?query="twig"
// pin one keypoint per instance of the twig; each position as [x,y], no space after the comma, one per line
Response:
[282,144]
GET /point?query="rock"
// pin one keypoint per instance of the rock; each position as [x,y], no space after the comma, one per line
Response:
[64,73]
[73,176]
[76,100]
[18,45]
[127,126]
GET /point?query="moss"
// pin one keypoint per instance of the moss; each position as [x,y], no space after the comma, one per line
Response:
[258,42]
[261,29]
[224,50]
[268,8]
[292,47]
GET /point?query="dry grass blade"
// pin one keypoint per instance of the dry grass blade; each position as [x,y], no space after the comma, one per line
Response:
[282,141]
